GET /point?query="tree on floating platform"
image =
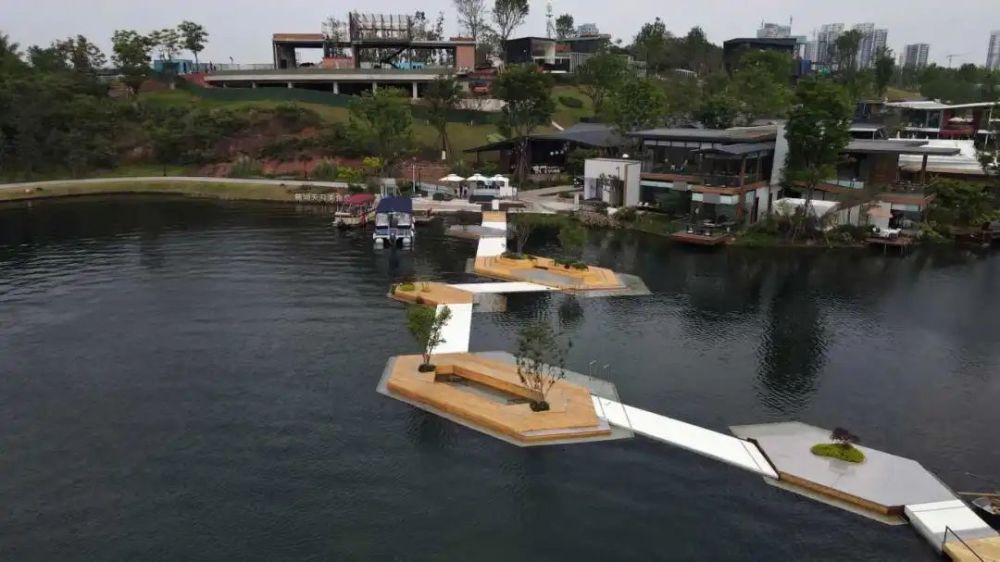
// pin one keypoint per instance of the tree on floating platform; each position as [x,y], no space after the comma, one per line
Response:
[425,325]
[842,449]
[541,360]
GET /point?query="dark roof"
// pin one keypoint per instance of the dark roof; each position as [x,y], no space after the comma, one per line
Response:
[740,149]
[395,205]
[898,147]
[732,135]
[594,135]
[785,42]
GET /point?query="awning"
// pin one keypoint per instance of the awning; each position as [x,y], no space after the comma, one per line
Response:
[395,205]
[359,199]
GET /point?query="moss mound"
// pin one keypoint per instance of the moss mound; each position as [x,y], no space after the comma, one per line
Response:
[847,453]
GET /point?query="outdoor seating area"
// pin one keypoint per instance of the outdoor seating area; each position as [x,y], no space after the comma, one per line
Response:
[486,394]
[707,233]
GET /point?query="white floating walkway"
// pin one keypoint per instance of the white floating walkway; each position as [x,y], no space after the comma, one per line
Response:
[713,444]
[504,287]
[932,519]
[457,330]
[491,246]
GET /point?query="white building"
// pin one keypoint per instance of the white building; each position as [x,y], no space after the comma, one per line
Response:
[915,55]
[993,53]
[614,181]
[826,40]
[872,42]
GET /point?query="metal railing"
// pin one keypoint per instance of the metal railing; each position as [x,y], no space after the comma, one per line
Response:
[944,540]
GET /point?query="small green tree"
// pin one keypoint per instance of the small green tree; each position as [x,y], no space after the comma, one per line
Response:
[541,360]
[528,94]
[193,37]
[382,124]
[520,230]
[760,85]
[818,129]
[131,56]
[599,75]
[572,238]
[508,15]
[636,104]
[719,111]
[425,325]
[885,68]
[443,95]
[565,27]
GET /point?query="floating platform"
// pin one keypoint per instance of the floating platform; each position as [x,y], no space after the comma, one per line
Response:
[482,391]
[694,238]
[902,243]
[884,487]
[545,271]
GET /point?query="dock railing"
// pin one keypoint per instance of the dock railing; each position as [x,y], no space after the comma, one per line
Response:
[944,540]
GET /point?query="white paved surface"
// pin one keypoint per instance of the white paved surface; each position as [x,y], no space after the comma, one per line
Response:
[713,444]
[502,288]
[456,332]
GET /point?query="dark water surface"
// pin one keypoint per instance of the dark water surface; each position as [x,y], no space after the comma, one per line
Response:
[195,380]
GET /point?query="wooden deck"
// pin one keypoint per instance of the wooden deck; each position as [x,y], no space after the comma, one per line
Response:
[981,549]
[902,243]
[686,237]
[544,271]
[432,294]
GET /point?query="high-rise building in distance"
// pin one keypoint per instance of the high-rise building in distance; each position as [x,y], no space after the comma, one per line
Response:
[872,42]
[993,53]
[826,40]
[915,55]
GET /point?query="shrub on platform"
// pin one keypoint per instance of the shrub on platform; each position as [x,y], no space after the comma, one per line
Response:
[843,449]
[425,324]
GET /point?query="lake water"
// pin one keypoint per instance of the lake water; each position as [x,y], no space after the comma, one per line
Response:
[195,380]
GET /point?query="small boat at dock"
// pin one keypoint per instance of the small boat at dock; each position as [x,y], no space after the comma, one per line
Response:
[357,210]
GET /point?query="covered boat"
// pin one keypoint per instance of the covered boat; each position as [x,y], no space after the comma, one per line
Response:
[355,210]
[394,222]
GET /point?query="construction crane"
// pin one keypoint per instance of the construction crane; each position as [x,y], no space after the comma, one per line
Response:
[952,56]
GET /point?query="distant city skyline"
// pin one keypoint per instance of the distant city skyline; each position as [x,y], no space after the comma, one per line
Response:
[243,30]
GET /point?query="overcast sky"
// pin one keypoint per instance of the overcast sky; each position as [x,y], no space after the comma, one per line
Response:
[242,29]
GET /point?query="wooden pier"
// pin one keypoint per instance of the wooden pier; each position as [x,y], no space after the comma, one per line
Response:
[902,243]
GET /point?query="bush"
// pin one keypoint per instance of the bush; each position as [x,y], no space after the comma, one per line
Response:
[849,234]
[571,102]
[515,256]
[325,171]
[579,265]
[844,452]
[407,287]
[245,167]
[627,214]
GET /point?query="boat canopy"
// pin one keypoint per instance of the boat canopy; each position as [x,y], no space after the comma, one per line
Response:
[359,199]
[395,205]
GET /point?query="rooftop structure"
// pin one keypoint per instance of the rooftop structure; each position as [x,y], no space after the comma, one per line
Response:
[774,31]
[556,56]
[549,150]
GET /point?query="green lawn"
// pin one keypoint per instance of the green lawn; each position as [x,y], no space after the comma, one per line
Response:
[248,190]
[568,116]
[847,453]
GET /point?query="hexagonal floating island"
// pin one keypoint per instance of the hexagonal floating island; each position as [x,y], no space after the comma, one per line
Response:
[482,391]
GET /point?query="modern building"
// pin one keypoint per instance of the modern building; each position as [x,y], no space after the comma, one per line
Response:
[556,56]
[915,55]
[733,49]
[370,51]
[993,53]
[612,180]
[547,152]
[936,120]
[774,31]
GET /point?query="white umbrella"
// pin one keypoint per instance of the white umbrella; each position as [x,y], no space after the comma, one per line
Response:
[477,177]
[499,178]
[452,178]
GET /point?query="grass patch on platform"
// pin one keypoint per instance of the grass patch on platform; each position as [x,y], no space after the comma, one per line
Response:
[243,191]
[838,451]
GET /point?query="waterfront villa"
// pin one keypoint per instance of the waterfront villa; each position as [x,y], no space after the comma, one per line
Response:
[726,178]
[936,120]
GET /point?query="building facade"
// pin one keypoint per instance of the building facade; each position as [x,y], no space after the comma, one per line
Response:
[826,42]
[993,53]
[873,41]
[915,55]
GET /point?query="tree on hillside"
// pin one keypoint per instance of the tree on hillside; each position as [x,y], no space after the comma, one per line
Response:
[528,93]
[651,45]
[565,26]
[10,57]
[472,16]
[166,42]
[818,129]
[82,55]
[193,37]
[636,104]
[508,15]
[719,111]
[885,67]
[381,124]
[131,56]
[599,74]
[442,96]
[684,96]
[697,53]
[760,85]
